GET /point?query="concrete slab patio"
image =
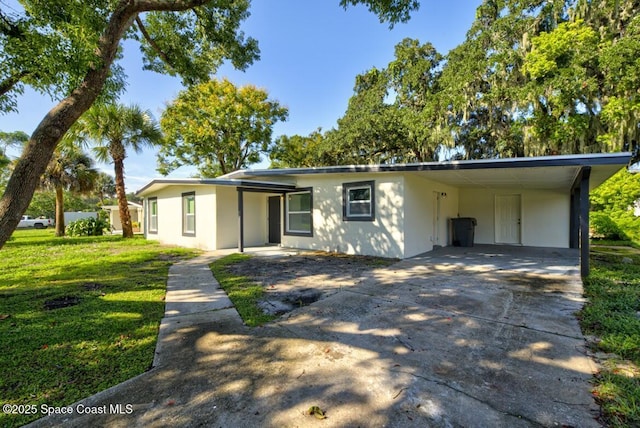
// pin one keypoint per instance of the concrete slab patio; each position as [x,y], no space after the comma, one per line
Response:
[459,337]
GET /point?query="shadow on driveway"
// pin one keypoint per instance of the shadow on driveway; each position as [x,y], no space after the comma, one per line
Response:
[482,336]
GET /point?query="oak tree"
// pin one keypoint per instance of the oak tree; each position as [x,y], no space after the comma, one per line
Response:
[217,127]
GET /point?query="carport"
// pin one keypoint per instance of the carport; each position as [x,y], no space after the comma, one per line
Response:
[574,177]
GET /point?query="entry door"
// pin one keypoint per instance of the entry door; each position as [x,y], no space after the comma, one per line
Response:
[275,220]
[508,216]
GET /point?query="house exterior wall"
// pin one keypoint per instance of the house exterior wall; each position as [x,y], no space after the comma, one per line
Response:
[226,217]
[419,211]
[381,237]
[404,216]
[544,215]
[170,217]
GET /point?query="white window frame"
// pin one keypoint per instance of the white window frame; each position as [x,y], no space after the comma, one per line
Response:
[186,215]
[288,230]
[347,215]
[153,219]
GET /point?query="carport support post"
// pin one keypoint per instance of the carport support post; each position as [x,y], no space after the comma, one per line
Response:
[240,220]
[584,222]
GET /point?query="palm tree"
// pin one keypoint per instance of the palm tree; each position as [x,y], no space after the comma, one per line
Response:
[69,169]
[113,128]
[105,187]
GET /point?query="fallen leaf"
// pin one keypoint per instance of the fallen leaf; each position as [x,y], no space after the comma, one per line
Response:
[45,346]
[171,402]
[4,316]
[317,412]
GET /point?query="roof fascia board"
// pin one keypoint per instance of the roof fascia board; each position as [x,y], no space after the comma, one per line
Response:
[247,184]
[532,162]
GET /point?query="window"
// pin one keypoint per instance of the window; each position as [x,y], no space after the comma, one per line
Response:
[189,214]
[299,213]
[153,215]
[358,201]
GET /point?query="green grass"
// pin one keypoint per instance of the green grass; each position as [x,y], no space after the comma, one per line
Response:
[613,316]
[243,292]
[58,356]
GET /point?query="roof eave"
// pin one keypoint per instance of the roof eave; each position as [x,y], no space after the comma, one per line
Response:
[622,158]
[246,184]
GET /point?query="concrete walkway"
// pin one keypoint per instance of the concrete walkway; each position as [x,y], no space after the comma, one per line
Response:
[193,297]
[455,338]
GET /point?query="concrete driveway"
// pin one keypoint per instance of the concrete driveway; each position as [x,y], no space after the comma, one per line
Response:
[459,337]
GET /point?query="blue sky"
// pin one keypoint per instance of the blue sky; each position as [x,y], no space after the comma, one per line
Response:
[311,52]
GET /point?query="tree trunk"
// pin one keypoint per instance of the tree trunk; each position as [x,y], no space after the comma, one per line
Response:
[37,154]
[38,151]
[123,205]
[59,211]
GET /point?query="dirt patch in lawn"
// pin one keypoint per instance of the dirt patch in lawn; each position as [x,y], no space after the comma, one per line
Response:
[292,281]
[61,302]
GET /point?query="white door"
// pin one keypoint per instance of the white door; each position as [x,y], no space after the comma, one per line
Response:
[508,217]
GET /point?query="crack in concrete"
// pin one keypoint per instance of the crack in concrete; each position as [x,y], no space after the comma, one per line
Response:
[459,313]
[466,394]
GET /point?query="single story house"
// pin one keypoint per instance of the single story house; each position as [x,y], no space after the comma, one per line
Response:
[398,210]
[135,210]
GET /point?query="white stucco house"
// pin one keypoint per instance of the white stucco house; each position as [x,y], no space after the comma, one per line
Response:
[385,210]
[135,210]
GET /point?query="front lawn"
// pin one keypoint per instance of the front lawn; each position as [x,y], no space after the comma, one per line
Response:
[77,315]
[242,290]
[612,316]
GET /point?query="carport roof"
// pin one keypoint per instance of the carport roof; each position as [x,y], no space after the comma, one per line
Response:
[250,185]
[546,172]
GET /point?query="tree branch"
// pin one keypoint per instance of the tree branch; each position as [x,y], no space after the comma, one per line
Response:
[166,5]
[8,28]
[10,82]
[153,43]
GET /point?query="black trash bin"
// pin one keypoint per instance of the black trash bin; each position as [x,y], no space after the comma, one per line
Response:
[463,229]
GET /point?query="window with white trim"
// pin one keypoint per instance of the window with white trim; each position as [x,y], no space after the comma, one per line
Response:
[189,214]
[358,201]
[299,213]
[153,215]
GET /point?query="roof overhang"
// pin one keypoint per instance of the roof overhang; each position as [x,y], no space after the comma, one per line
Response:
[248,185]
[544,173]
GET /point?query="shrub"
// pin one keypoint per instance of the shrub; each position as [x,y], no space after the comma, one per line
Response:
[604,227]
[630,224]
[87,227]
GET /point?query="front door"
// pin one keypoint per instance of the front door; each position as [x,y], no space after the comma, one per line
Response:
[274,219]
[508,217]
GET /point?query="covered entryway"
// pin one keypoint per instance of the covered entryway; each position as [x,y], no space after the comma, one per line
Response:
[272,199]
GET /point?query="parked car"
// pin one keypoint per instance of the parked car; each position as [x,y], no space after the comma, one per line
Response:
[36,223]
